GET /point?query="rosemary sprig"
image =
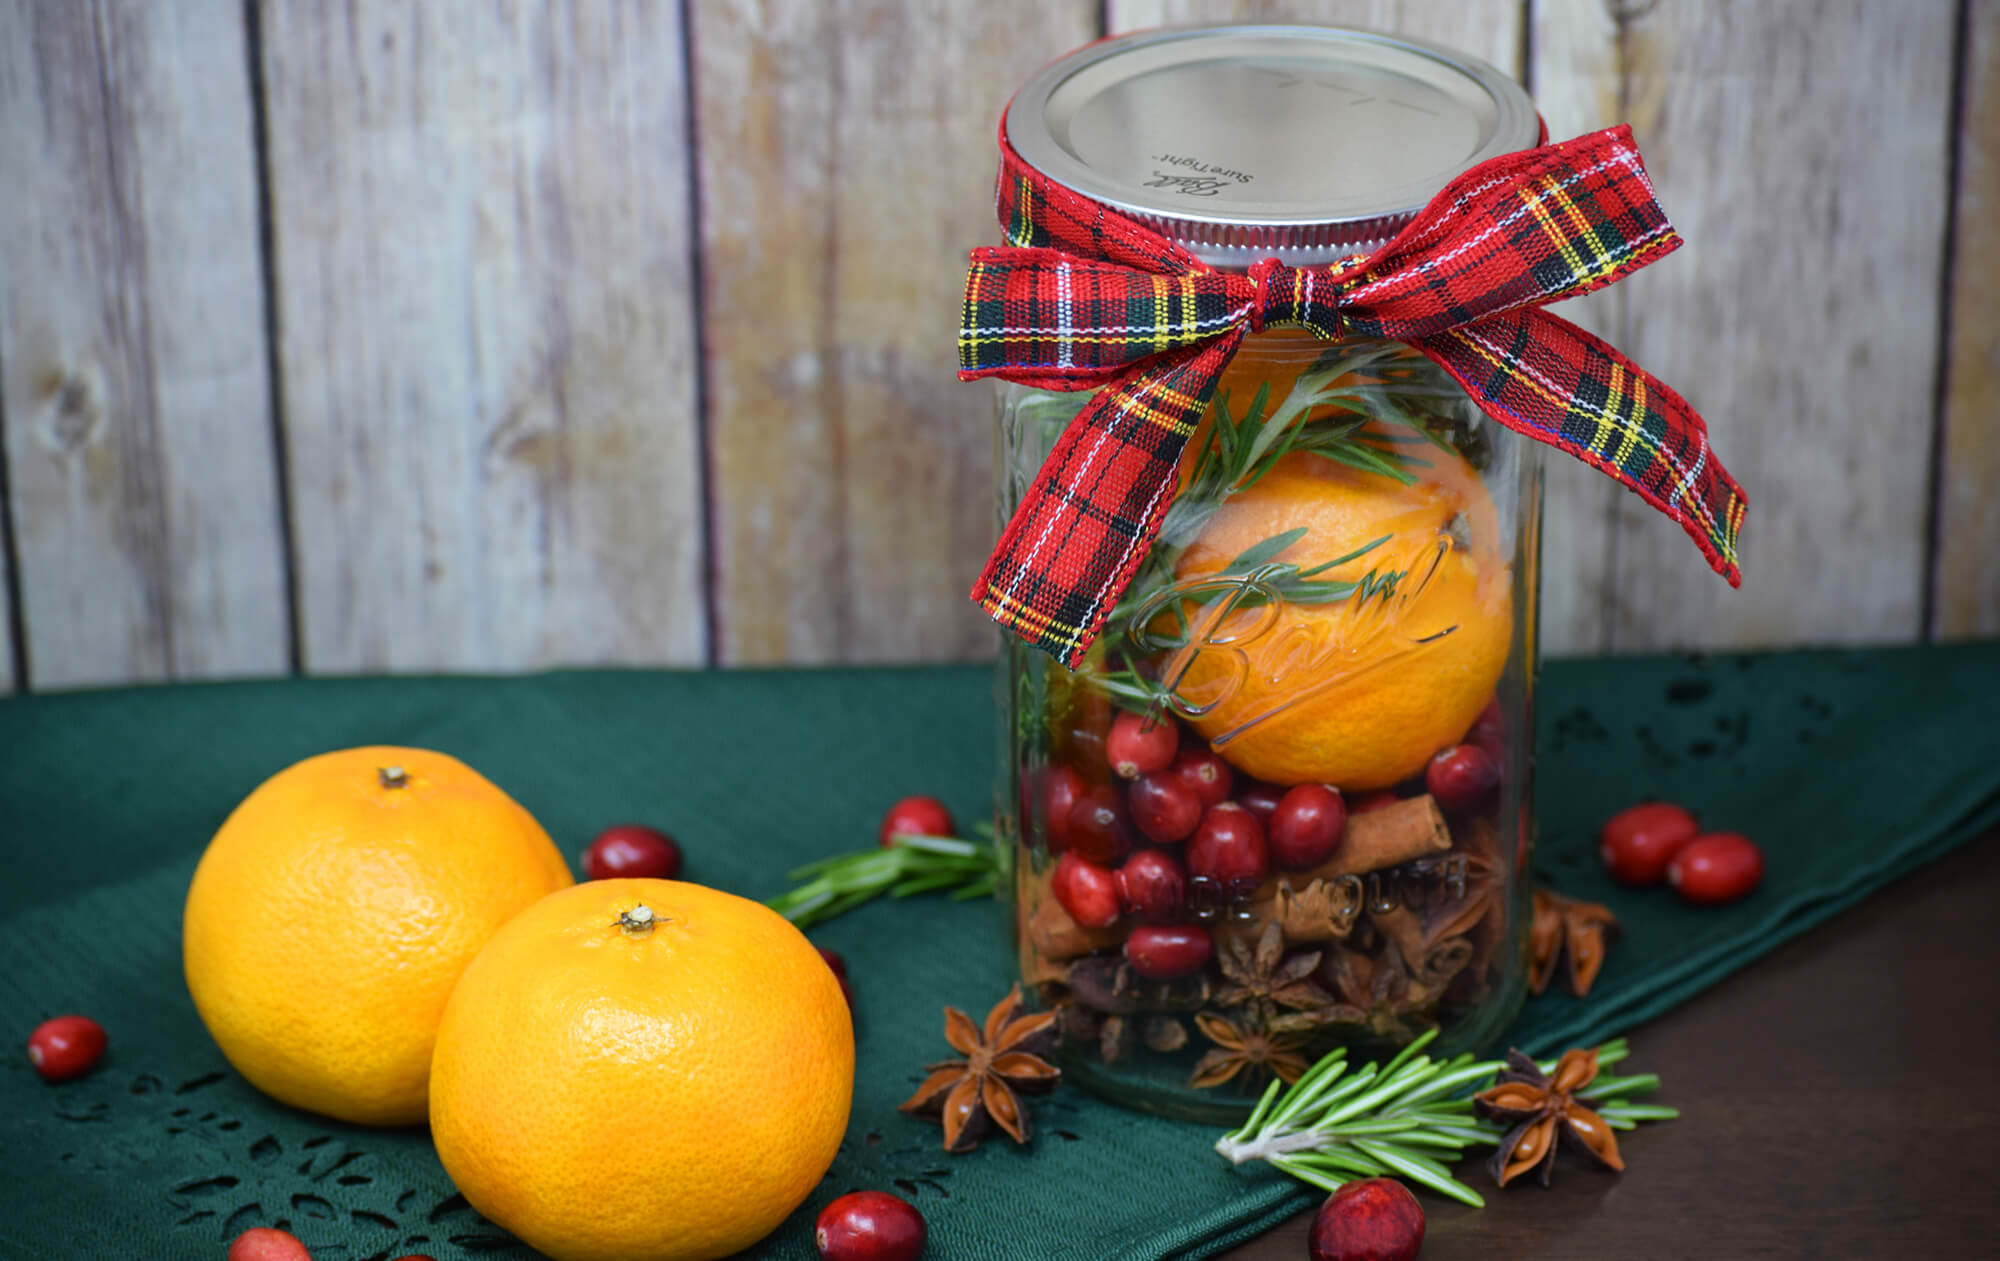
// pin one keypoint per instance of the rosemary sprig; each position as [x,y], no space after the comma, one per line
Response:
[1403,1118]
[1327,412]
[1411,1117]
[908,865]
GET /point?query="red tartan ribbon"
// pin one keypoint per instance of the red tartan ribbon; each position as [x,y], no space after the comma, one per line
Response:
[1086,297]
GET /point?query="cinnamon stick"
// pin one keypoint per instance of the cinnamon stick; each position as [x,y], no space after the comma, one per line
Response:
[1051,937]
[1388,837]
[1379,839]
[1375,841]
[1058,938]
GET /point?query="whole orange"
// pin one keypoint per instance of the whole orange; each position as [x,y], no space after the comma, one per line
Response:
[642,1069]
[1357,692]
[331,915]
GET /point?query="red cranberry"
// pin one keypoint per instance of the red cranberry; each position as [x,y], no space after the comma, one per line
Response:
[630,849]
[838,966]
[1369,802]
[1637,843]
[1489,730]
[1261,800]
[1375,1219]
[1083,748]
[1307,825]
[1229,847]
[1087,891]
[1065,785]
[66,1047]
[1139,745]
[1717,868]
[261,1243]
[1097,826]
[916,816]
[1162,807]
[1206,775]
[869,1226]
[1463,777]
[1152,886]
[1161,952]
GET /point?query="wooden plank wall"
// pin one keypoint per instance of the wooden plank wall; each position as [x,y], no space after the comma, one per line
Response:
[485,289]
[389,336]
[1771,317]
[142,484]
[846,165]
[1965,590]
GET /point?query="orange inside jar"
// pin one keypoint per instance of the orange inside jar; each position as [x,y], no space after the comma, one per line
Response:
[1277,808]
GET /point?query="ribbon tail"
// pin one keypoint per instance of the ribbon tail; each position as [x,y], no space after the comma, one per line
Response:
[1546,378]
[1085,525]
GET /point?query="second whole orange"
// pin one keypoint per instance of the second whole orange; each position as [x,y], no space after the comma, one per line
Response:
[642,1069]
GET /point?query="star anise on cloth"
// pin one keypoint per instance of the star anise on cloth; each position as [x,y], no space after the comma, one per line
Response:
[1243,1047]
[1568,929]
[1002,1062]
[1539,1111]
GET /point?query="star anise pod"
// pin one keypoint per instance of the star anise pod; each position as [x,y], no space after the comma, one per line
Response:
[1540,1110]
[1262,980]
[1567,928]
[1002,1062]
[1375,984]
[1242,1047]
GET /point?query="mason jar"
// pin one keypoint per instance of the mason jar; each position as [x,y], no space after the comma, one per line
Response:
[1284,803]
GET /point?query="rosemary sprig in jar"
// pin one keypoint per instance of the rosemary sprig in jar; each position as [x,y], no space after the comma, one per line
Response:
[1331,410]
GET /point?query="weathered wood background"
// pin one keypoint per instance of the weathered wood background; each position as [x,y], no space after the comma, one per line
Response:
[377,335]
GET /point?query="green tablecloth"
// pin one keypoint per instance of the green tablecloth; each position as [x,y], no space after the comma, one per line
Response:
[1848,767]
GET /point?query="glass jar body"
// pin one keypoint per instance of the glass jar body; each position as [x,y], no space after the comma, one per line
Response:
[1284,804]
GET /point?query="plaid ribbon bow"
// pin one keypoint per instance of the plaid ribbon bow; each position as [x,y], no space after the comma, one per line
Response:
[1086,297]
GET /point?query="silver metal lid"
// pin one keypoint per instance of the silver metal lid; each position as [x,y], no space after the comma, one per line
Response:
[1244,142]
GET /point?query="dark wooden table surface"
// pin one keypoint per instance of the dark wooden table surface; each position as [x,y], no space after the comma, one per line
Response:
[1839,1098]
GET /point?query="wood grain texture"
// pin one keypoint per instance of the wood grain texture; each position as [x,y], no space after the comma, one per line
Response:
[1966,600]
[483,254]
[1801,150]
[8,683]
[846,166]
[135,395]
[1485,28]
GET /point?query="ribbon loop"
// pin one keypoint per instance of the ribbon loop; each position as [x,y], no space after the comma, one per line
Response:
[1087,298]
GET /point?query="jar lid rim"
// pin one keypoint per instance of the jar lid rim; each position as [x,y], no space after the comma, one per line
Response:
[1244,141]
